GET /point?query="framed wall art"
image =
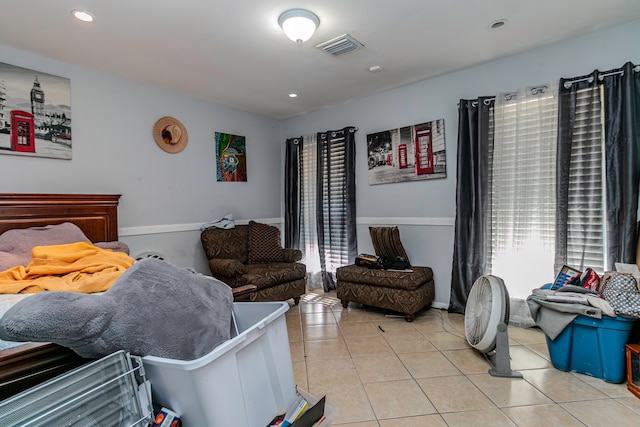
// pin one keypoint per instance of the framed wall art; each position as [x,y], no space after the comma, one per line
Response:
[35,113]
[409,153]
[231,158]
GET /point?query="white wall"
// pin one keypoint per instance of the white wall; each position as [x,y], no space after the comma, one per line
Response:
[168,195]
[425,210]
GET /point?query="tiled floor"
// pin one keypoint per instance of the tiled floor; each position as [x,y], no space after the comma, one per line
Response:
[380,371]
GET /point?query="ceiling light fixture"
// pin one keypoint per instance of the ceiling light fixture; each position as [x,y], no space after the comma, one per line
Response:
[82,15]
[299,24]
[293,95]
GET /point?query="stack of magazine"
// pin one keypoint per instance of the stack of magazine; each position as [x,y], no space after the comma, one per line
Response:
[301,414]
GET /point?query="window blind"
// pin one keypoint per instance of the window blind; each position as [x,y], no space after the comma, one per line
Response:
[523,188]
[334,200]
[586,217]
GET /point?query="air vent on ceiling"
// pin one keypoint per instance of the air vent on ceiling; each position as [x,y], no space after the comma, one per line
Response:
[340,45]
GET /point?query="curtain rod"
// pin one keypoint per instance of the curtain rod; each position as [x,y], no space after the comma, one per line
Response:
[569,82]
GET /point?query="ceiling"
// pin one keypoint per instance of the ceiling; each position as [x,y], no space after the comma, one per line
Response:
[234,53]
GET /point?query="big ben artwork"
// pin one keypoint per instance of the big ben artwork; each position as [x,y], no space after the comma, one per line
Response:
[35,113]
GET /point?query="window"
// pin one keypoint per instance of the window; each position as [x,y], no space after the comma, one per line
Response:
[327,205]
[522,189]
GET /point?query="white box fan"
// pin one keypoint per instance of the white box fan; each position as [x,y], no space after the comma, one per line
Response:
[486,317]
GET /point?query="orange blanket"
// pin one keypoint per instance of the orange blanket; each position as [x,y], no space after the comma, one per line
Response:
[77,267]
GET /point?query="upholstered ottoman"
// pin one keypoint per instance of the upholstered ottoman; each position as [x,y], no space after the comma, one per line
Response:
[405,292]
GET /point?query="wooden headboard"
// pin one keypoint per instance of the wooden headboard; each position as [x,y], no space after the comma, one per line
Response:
[97,216]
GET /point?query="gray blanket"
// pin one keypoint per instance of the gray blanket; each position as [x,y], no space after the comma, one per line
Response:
[154,308]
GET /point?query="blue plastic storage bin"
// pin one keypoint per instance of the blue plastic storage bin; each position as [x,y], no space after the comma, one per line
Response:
[593,346]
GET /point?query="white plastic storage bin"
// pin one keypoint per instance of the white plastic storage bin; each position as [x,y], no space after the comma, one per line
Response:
[243,382]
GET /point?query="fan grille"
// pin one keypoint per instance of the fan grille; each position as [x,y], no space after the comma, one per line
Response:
[487,306]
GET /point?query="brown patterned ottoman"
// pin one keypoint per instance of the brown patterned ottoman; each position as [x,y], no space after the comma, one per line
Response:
[405,292]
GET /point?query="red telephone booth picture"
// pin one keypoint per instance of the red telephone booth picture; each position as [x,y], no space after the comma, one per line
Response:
[424,150]
[22,132]
[402,156]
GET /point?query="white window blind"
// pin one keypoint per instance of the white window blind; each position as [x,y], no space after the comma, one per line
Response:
[586,218]
[523,188]
[308,234]
[334,189]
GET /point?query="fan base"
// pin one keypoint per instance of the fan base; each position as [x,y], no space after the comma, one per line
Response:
[500,360]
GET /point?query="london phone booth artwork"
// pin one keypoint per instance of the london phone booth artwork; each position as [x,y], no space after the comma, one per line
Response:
[35,113]
[408,153]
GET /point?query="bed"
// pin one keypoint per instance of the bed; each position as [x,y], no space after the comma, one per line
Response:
[146,307]
[96,215]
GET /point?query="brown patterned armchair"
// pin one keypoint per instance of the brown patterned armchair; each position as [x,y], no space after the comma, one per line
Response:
[252,255]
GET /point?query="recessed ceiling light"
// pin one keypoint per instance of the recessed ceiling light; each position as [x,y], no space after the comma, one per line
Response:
[293,95]
[375,68]
[497,24]
[82,15]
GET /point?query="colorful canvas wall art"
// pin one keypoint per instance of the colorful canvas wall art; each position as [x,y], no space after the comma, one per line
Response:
[35,113]
[231,158]
[409,153]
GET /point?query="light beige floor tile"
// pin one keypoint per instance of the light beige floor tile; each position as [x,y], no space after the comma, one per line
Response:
[350,403]
[359,329]
[603,413]
[362,424]
[396,326]
[610,389]
[523,358]
[321,332]
[394,399]
[505,392]
[385,368]
[309,308]
[446,340]
[429,324]
[454,324]
[351,315]
[527,335]
[434,420]
[297,351]
[326,350]
[468,360]
[319,318]
[540,349]
[413,342]
[454,394]
[368,346]
[335,372]
[561,386]
[294,310]
[489,417]
[300,374]
[541,415]
[325,300]
[294,332]
[428,364]
[632,402]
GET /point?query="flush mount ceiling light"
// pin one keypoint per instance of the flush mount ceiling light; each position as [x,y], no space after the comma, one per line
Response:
[82,15]
[299,24]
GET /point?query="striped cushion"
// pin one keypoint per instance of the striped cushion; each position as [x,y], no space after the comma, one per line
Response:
[264,243]
[387,244]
